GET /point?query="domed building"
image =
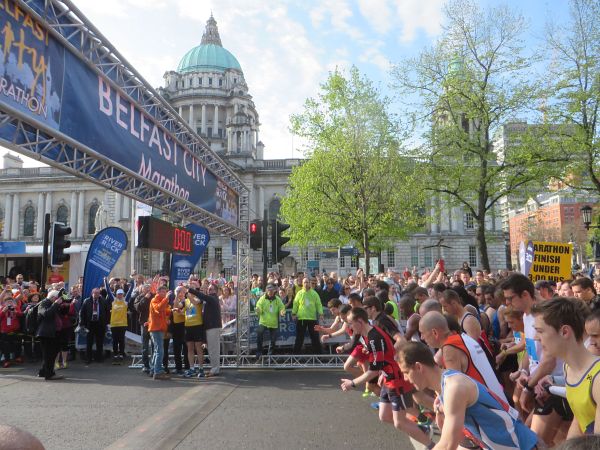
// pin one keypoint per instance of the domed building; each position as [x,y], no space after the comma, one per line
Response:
[209,92]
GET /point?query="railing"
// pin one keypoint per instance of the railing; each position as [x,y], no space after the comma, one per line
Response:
[33,172]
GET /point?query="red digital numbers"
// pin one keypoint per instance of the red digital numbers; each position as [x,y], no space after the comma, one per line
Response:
[182,240]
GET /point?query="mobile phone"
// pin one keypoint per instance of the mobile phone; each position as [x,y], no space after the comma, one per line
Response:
[442,265]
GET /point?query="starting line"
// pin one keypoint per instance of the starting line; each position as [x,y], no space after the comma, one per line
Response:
[329,361]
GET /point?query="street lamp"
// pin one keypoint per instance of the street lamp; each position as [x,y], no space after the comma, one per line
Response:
[586,214]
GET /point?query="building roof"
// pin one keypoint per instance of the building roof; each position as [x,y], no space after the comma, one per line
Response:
[210,54]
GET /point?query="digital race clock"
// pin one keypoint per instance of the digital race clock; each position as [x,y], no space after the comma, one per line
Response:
[157,234]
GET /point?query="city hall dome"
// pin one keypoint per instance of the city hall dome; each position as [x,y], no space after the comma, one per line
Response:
[210,54]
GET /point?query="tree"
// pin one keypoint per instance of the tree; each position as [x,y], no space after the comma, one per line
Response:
[355,186]
[461,91]
[574,68]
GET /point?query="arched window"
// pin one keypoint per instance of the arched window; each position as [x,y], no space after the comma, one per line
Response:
[92,218]
[62,214]
[28,221]
[274,207]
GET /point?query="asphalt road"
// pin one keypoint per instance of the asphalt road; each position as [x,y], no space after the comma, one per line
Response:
[104,406]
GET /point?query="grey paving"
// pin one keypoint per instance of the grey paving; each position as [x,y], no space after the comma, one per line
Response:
[103,406]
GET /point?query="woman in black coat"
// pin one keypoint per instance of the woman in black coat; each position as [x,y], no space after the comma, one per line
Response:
[48,321]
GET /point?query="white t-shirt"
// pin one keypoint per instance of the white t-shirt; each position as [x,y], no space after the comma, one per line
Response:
[534,348]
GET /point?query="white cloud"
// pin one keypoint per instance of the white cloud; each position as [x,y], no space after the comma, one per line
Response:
[339,13]
[419,14]
[372,55]
[378,13]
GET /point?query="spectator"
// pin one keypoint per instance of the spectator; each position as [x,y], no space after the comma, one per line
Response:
[177,329]
[142,306]
[307,310]
[268,308]
[211,312]
[157,327]
[583,289]
[10,327]
[46,331]
[228,304]
[94,317]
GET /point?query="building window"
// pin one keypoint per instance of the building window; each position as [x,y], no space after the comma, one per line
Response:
[473,255]
[414,256]
[92,218]
[220,82]
[209,131]
[469,221]
[28,221]
[427,259]
[210,81]
[219,254]
[204,259]
[317,253]
[62,215]
[342,262]
[354,262]
[391,258]
[304,257]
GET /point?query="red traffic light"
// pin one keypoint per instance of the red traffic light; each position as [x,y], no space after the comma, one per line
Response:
[253,228]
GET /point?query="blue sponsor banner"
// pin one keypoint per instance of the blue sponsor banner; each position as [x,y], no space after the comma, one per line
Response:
[54,87]
[12,248]
[183,265]
[105,250]
[529,257]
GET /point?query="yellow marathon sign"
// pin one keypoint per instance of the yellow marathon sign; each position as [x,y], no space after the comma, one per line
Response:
[551,261]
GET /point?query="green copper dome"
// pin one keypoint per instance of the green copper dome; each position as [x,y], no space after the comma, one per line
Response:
[208,57]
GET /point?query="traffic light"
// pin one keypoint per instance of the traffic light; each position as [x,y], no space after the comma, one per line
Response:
[277,241]
[256,235]
[58,244]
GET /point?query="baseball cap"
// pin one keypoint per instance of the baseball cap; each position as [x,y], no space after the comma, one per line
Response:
[120,291]
[271,286]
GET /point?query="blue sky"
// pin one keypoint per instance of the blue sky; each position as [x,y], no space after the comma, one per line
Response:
[286,48]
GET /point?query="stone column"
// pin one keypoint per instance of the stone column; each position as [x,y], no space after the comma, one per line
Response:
[73,212]
[216,121]
[39,231]
[49,204]
[261,202]
[7,216]
[118,207]
[180,111]
[80,214]
[228,140]
[203,120]
[191,121]
[15,216]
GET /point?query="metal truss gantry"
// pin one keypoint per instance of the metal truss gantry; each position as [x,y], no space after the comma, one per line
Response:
[70,27]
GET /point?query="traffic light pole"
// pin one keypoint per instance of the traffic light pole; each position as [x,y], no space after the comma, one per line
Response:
[45,253]
[265,237]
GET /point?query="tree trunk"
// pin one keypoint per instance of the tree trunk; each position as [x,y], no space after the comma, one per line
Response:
[482,243]
[367,254]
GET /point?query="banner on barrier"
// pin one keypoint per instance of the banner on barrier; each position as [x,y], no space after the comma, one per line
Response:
[55,88]
[105,250]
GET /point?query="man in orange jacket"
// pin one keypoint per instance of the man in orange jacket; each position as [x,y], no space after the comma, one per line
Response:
[158,321]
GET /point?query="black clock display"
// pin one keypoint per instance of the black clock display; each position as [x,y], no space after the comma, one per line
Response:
[156,234]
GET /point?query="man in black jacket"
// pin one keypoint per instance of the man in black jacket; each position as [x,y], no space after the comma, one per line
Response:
[141,303]
[211,312]
[94,317]
[47,313]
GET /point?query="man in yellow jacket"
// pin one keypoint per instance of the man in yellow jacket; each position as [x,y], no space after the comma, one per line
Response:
[307,310]
[268,308]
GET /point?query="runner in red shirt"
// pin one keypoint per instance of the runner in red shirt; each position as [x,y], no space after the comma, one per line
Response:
[396,393]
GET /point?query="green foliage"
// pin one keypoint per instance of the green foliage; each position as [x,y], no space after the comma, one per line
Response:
[574,92]
[475,79]
[355,186]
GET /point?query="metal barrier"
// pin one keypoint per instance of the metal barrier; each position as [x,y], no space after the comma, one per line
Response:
[325,361]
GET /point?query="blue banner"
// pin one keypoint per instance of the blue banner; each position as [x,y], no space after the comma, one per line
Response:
[182,265]
[529,257]
[54,87]
[105,250]
[12,248]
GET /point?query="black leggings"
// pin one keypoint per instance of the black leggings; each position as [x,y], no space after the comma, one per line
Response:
[118,337]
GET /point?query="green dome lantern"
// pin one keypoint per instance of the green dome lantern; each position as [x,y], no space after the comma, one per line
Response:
[210,54]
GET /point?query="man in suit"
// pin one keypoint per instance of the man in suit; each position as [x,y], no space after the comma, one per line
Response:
[46,332]
[94,317]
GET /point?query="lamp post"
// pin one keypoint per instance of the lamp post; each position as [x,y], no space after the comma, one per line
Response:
[586,215]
